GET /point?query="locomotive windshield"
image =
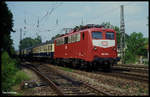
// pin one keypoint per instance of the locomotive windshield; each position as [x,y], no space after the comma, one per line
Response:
[97,35]
[109,35]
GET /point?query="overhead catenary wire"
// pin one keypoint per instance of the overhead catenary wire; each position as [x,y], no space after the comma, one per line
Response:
[49,12]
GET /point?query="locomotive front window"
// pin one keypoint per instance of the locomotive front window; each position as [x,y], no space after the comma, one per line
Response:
[109,35]
[97,35]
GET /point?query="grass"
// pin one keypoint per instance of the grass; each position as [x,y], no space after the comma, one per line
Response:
[20,76]
[66,69]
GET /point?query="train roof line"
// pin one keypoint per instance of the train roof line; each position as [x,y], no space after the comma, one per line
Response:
[47,42]
[80,30]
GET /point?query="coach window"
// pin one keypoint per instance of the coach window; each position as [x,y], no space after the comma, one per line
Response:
[51,47]
[83,35]
[41,49]
[66,40]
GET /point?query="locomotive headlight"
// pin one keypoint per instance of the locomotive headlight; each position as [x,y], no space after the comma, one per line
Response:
[95,48]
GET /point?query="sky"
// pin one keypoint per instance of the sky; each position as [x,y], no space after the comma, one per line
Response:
[54,16]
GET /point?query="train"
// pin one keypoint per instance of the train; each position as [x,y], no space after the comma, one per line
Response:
[93,46]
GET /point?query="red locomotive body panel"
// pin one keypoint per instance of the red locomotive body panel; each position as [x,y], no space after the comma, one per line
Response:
[88,48]
[73,50]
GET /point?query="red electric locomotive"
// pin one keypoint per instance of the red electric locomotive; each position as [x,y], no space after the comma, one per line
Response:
[92,46]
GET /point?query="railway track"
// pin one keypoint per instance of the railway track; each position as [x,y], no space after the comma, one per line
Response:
[130,72]
[126,75]
[64,85]
[141,70]
[133,72]
[132,67]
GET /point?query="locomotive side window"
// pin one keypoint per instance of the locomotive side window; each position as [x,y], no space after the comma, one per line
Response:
[74,38]
[69,39]
[61,41]
[78,37]
[58,42]
[109,35]
[97,35]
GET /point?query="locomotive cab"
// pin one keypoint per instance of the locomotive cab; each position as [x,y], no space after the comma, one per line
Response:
[104,47]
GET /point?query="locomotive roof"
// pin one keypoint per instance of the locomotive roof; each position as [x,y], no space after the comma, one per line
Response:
[92,29]
[81,28]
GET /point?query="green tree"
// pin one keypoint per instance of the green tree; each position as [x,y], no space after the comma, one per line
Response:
[8,70]
[6,24]
[29,42]
[135,47]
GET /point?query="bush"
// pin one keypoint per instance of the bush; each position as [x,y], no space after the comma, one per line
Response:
[8,71]
[20,76]
[129,57]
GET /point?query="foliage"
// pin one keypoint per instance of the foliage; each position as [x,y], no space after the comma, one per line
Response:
[135,47]
[136,44]
[6,24]
[8,71]
[29,42]
[20,76]
[10,74]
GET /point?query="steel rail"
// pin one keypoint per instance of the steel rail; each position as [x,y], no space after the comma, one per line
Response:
[57,88]
[50,82]
[99,91]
